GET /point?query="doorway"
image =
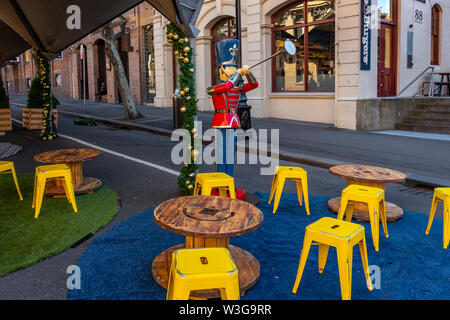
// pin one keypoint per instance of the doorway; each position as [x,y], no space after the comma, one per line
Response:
[150,79]
[100,69]
[16,78]
[387,49]
[83,87]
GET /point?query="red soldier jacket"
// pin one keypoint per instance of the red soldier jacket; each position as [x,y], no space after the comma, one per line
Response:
[226,99]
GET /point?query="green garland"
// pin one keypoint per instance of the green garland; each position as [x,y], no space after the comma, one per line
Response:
[47,132]
[183,52]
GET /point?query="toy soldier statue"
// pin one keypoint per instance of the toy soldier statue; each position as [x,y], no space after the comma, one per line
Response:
[225,98]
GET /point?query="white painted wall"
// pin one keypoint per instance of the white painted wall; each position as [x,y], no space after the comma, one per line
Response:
[422,41]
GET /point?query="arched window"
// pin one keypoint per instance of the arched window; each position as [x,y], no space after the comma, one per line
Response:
[310,25]
[58,80]
[224,29]
[436,13]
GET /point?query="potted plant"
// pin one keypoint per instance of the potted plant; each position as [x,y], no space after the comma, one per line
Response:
[5,111]
[32,116]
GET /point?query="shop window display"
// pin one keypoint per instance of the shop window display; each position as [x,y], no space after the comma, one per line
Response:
[310,25]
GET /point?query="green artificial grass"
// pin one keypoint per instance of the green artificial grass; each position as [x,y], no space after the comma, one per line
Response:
[25,240]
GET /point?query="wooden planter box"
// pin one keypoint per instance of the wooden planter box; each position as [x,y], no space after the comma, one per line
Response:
[5,120]
[32,118]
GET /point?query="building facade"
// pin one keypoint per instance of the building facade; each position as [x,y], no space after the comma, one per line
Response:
[350,54]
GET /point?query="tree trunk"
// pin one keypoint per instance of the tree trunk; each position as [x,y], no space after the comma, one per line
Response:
[129,106]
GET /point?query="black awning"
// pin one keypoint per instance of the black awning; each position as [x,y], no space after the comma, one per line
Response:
[43,24]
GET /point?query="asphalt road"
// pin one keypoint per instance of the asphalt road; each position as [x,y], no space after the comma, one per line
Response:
[141,186]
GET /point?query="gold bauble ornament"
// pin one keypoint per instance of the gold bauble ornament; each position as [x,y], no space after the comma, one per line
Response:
[196,100]
[181,41]
[170,35]
[191,174]
[185,60]
[186,49]
[187,182]
[188,98]
[195,154]
[191,70]
[190,187]
[186,40]
[183,109]
[175,52]
[175,36]
[186,89]
[182,93]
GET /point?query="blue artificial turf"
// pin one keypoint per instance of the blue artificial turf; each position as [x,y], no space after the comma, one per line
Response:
[412,266]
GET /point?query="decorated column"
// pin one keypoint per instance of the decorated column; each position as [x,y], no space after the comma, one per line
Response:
[48,132]
[183,52]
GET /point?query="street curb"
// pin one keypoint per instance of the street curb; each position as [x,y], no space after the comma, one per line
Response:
[412,180]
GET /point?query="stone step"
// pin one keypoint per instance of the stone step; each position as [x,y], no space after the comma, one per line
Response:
[427,120]
[430,113]
[433,107]
[432,128]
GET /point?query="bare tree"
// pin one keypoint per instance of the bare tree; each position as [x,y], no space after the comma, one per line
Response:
[129,106]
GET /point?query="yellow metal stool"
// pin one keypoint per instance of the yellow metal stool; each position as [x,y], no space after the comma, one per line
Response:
[343,236]
[374,197]
[202,269]
[8,167]
[297,174]
[220,180]
[58,171]
[441,195]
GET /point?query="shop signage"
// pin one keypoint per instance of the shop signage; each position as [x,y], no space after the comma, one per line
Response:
[365,34]
[321,11]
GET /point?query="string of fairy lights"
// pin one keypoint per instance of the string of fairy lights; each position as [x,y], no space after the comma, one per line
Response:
[46,132]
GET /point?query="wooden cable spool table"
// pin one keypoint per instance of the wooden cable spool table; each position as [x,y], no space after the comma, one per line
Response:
[371,177]
[74,159]
[208,221]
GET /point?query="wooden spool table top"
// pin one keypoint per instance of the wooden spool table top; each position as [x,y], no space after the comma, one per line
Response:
[74,159]
[212,218]
[367,173]
[66,155]
[368,176]
[208,216]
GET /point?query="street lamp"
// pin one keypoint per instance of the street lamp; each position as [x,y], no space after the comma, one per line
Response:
[243,108]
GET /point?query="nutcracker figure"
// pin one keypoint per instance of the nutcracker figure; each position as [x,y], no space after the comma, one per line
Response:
[225,98]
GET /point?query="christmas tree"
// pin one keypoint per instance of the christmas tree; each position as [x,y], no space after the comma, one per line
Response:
[35,99]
